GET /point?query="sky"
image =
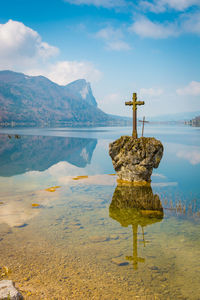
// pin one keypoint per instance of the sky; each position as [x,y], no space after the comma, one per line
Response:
[151,47]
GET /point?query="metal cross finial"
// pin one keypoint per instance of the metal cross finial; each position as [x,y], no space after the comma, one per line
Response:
[134,103]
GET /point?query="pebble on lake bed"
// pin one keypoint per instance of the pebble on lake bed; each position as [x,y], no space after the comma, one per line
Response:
[8,291]
[120,261]
[99,239]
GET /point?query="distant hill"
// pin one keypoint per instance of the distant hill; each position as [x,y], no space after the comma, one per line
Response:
[175,117]
[36,99]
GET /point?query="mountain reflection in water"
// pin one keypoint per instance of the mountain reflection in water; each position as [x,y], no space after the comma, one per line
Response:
[135,206]
[38,153]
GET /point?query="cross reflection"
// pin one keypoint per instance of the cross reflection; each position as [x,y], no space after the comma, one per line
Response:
[136,206]
[135,259]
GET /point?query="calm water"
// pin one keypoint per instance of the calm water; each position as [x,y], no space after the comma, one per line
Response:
[67,231]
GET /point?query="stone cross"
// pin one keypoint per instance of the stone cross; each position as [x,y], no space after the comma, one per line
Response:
[134,103]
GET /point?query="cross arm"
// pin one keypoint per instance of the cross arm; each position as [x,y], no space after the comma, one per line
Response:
[143,121]
[129,103]
[139,103]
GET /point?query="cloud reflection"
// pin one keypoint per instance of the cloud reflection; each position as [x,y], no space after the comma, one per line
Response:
[193,156]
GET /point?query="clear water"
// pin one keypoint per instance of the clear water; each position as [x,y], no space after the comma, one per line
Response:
[67,231]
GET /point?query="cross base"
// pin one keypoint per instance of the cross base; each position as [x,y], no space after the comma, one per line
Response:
[134,134]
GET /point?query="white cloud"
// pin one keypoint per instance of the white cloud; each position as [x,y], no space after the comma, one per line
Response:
[180,4]
[191,23]
[152,92]
[63,72]
[20,46]
[184,24]
[155,7]
[99,3]
[113,39]
[22,50]
[158,6]
[193,89]
[146,28]
[109,32]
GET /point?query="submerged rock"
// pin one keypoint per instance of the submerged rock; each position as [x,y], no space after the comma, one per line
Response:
[8,291]
[134,159]
[119,261]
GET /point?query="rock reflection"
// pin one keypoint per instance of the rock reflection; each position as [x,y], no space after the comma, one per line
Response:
[136,206]
[37,153]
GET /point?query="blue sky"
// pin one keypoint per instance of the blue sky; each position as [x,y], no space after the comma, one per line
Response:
[120,46]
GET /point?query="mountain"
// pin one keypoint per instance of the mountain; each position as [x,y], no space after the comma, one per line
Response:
[36,99]
[30,153]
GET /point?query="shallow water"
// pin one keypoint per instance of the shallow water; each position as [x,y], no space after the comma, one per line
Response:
[87,238]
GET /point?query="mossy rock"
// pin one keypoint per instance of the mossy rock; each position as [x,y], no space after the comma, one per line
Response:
[134,159]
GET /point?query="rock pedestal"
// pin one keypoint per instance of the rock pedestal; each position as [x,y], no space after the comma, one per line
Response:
[134,159]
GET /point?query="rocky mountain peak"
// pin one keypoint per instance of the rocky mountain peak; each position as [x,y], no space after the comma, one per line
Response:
[83,90]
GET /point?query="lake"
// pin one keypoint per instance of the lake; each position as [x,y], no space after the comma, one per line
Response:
[67,231]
